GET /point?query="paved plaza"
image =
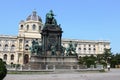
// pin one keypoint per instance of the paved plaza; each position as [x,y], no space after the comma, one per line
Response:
[114,74]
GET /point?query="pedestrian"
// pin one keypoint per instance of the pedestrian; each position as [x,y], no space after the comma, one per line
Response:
[108,66]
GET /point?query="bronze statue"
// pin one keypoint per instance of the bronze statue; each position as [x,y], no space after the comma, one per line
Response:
[50,18]
[71,50]
[63,50]
[36,48]
[53,50]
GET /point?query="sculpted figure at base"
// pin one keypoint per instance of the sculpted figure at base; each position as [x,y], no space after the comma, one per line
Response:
[53,50]
[36,48]
[62,50]
[71,50]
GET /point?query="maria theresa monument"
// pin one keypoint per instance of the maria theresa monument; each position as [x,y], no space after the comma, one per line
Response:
[42,42]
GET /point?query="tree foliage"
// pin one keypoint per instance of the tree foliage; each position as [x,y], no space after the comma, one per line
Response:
[87,60]
[103,59]
[115,60]
[106,58]
[107,55]
[3,70]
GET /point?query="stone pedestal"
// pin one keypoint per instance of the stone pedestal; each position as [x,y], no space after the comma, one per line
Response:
[60,62]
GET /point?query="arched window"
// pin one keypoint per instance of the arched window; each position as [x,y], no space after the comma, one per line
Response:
[26,47]
[26,58]
[39,27]
[6,46]
[27,41]
[34,26]
[79,48]
[94,49]
[13,47]
[104,45]
[20,40]
[0,47]
[27,27]
[5,57]
[6,40]
[89,48]
[12,57]
[21,27]
[84,48]
[89,45]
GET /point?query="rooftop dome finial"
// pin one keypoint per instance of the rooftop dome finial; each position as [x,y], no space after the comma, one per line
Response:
[34,12]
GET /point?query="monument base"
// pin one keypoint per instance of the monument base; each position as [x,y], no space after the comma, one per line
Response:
[50,62]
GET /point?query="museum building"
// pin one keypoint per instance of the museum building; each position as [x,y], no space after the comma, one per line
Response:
[16,49]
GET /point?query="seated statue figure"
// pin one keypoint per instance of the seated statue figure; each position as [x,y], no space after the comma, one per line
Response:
[50,18]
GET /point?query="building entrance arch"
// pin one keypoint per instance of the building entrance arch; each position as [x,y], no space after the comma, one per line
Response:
[26,58]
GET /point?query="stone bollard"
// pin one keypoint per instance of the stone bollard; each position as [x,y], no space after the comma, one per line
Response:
[71,67]
[116,66]
[29,67]
[46,67]
[91,67]
[16,67]
[21,67]
[54,67]
[40,66]
[77,67]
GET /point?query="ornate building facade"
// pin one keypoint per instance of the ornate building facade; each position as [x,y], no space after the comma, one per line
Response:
[15,49]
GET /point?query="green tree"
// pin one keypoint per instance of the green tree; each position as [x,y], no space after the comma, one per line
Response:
[89,62]
[81,61]
[117,57]
[113,63]
[107,55]
[3,70]
[115,60]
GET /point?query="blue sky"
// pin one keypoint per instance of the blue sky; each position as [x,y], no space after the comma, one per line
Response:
[79,19]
